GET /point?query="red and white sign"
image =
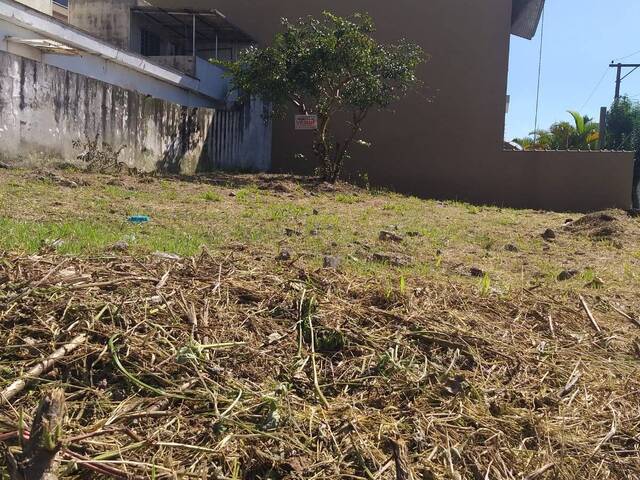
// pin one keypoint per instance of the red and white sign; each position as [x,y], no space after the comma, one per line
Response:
[306,122]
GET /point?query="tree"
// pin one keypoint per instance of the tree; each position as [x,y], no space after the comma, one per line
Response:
[538,140]
[586,132]
[561,135]
[623,133]
[331,67]
[583,134]
[623,125]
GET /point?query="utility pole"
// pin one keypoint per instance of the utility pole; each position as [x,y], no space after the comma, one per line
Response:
[619,77]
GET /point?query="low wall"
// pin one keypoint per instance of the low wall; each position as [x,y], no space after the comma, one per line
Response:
[562,181]
[43,109]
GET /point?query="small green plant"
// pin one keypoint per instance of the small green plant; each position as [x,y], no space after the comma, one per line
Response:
[211,196]
[247,194]
[589,275]
[485,285]
[347,198]
[272,418]
[388,362]
[486,242]
[283,211]
[194,351]
[171,194]
[403,285]
[472,209]
[507,220]
[592,280]
[628,272]
[438,261]
[399,208]
[329,340]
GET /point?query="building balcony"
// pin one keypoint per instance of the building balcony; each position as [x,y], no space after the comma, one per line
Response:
[212,77]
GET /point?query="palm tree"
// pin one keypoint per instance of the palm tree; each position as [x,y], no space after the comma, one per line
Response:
[586,132]
[583,134]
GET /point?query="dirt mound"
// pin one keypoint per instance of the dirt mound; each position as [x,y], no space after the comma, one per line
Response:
[599,225]
[222,366]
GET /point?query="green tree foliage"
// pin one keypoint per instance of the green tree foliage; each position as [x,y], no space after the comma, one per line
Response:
[623,125]
[334,68]
[582,134]
[623,133]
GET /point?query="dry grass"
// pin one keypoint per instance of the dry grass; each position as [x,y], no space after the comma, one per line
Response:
[231,364]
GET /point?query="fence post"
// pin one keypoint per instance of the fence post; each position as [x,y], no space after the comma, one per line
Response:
[603,128]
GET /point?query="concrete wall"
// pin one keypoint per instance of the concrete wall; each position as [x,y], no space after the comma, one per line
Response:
[445,140]
[241,139]
[565,181]
[43,109]
[93,66]
[109,20]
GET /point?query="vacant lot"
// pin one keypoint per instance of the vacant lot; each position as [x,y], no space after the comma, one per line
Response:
[271,327]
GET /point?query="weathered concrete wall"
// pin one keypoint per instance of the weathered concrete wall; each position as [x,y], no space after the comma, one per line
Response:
[241,139]
[43,109]
[109,20]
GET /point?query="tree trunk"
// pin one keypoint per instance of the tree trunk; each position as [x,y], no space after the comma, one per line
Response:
[38,459]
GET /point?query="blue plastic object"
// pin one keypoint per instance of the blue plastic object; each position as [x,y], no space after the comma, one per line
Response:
[139,219]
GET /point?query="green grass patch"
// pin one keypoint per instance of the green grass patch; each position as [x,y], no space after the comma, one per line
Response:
[348,198]
[85,237]
[211,196]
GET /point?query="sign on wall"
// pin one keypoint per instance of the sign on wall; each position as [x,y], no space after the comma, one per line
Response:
[306,122]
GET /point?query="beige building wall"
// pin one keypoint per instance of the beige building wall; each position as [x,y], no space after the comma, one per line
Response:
[44,6]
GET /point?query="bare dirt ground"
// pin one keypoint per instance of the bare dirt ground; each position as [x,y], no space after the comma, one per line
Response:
[272,327]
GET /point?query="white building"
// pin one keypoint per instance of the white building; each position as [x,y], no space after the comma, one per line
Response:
[141,78]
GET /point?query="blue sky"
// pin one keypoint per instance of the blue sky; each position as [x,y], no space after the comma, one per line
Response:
[581,38]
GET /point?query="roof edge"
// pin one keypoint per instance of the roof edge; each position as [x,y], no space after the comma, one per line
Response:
[525,17]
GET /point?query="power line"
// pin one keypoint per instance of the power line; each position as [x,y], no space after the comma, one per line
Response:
[535,130]
[595,89]
[626,56]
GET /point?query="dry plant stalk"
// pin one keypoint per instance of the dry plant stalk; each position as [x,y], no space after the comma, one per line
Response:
[38,460]
[593,320]
[401,458]
[41,367]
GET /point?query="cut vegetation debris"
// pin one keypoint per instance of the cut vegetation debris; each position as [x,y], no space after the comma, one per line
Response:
[228,363]
[223,367]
